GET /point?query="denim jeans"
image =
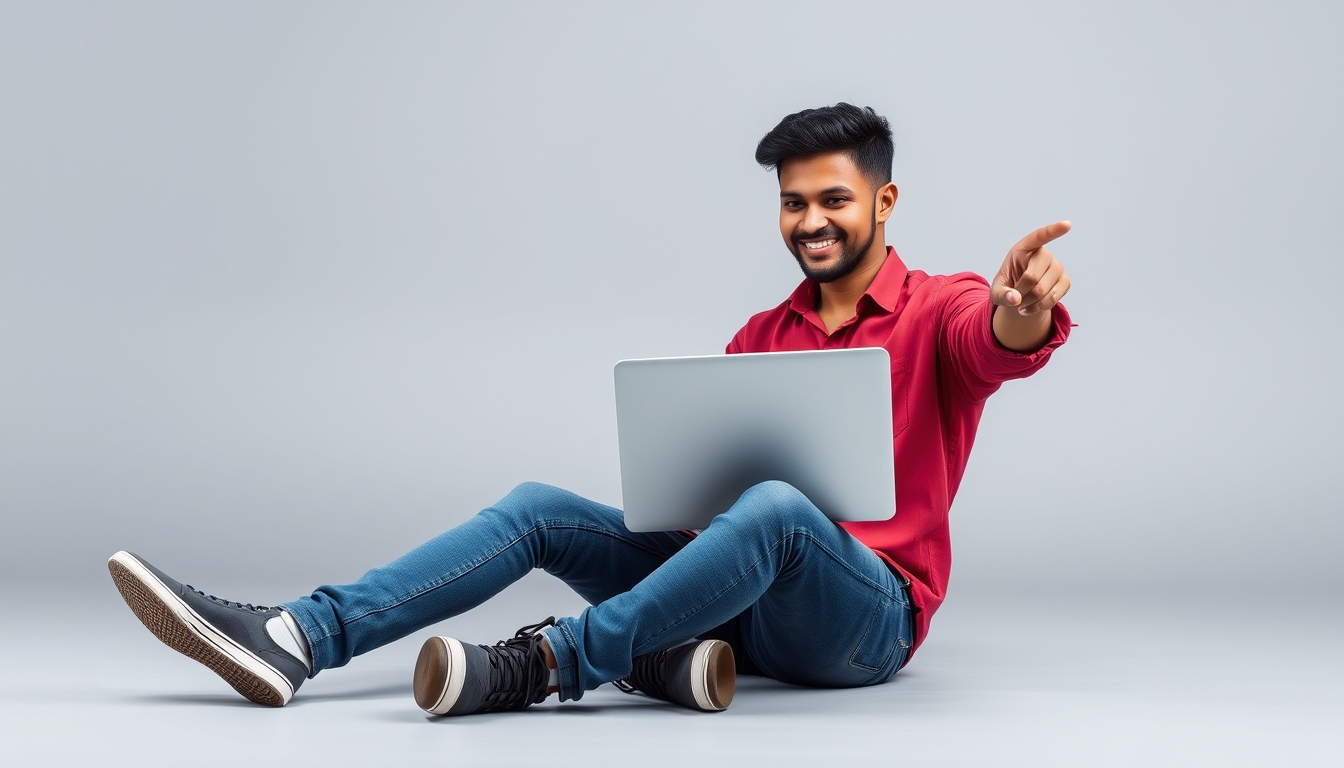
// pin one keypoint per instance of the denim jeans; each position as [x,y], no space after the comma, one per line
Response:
[799,599]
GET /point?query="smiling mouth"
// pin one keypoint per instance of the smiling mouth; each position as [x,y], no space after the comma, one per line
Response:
[817,245]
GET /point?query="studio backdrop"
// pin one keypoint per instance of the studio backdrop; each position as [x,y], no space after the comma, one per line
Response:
[287,288]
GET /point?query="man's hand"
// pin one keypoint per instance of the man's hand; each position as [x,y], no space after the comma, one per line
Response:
[1028,284]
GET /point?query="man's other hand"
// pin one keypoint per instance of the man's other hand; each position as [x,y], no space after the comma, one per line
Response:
[1028,284]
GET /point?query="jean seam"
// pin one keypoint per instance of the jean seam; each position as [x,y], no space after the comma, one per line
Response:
[686,615]
[843,563]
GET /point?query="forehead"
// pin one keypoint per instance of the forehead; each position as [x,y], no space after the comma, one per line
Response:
[817,172]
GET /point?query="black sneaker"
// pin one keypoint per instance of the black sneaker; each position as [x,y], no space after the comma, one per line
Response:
[229,638]
[454,678]
[699,675]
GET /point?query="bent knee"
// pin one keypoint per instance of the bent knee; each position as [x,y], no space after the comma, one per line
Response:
[533,491]
[531,501]
[780,497]
[777,504]
[537,505]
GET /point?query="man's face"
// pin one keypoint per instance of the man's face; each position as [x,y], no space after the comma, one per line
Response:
[828,214]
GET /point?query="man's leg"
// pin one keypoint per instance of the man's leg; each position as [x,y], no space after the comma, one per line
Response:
[584,543]
[821,608]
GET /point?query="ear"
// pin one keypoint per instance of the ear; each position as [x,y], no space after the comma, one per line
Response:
[884,202]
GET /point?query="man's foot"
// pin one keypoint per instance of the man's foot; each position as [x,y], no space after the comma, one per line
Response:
[699,675]
[455,678]
[229,638]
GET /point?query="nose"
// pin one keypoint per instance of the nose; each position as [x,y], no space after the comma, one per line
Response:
[815,219]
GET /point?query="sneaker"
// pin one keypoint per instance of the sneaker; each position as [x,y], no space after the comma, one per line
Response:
[699,675]
[229,638]
[454,678]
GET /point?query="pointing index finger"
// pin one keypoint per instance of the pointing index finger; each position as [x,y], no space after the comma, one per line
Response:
[1043,235]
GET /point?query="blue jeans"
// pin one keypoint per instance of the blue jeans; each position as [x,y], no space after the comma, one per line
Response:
[799,598]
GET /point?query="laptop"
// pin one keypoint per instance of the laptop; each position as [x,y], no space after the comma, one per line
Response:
[695,432]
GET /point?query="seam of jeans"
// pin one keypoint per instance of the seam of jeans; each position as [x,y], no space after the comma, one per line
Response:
[843,563]
[487,557]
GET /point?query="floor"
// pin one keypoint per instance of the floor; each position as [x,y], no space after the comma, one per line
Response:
[1093,680]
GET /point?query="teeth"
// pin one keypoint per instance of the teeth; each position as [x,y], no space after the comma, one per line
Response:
[819,245]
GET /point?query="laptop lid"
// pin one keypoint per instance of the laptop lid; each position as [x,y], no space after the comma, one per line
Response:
[695,432]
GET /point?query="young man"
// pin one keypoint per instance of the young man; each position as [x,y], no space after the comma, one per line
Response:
[771,586]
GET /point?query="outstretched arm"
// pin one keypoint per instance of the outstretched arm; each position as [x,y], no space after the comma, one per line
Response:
[1028,285]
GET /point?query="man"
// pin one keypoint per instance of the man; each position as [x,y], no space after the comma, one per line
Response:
[771,586]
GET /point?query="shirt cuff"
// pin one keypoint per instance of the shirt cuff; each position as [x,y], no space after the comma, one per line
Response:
[1060,326]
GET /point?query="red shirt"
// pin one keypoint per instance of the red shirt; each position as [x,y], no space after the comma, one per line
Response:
[944,362]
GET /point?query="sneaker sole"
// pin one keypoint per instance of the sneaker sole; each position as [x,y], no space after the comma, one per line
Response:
[182,629]
[436,686]
[713,675]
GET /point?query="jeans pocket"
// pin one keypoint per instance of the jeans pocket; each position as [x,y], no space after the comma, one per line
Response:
[880,638]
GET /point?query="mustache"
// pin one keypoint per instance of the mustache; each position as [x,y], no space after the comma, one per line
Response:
[827,231]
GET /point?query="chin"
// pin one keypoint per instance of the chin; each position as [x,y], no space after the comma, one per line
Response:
[831,270]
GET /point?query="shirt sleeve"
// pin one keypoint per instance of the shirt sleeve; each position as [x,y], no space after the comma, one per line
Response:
[735,346]
[969,348]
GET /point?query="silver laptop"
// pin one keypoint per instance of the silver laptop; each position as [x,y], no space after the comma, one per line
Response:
[695,432]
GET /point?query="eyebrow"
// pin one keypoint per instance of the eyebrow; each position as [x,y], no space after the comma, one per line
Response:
[823,193]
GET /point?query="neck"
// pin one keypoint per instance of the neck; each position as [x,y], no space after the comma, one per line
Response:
[840,297]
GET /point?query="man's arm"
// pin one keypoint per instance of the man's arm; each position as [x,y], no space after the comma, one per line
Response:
[1028,285]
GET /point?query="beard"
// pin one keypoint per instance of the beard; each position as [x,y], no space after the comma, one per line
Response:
[850,256]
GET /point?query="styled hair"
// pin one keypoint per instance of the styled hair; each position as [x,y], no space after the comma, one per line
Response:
[862,134]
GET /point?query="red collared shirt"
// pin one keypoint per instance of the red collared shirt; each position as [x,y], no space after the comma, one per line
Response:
[944,362]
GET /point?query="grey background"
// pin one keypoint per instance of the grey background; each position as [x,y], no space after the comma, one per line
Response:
[290,287]
[287,288]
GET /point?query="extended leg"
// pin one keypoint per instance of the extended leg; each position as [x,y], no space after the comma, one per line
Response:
[258,651]
[582,542]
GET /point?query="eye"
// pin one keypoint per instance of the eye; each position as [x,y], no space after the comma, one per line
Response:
[837,201]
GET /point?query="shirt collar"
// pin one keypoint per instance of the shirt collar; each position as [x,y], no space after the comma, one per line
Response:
[884,291]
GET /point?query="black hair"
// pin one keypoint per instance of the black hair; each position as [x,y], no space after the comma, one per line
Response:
[862,134]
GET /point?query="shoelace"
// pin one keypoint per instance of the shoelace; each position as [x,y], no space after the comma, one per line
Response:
[230,603]
[646,675]
[518,672]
